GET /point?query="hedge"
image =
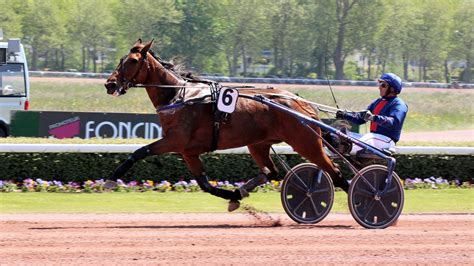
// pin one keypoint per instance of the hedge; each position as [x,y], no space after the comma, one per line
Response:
[80,167]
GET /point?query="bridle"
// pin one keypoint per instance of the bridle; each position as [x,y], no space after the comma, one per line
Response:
[129,83]
[132,82]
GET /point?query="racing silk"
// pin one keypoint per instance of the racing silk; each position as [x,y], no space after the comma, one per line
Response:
[389,115]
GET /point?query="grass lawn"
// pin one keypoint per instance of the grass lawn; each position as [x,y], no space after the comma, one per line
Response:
[416,201]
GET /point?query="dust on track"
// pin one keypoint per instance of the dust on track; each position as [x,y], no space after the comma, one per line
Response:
[236,238]
[261,217]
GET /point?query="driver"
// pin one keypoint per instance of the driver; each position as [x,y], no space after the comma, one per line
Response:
[386,115]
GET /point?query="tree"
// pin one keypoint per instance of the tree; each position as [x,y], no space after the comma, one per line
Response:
[199,36]
[364,33]
[322,36]
[430,31]
[92,27]
[404,21]
[10,18]
[145,19]
[343,7]
[243,23]
[350,16]
[42,29]
[462,37]
[291,35]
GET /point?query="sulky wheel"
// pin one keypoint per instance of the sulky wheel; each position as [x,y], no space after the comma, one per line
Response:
[368,205]
[307,194]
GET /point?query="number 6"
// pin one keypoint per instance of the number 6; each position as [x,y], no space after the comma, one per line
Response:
[227,100]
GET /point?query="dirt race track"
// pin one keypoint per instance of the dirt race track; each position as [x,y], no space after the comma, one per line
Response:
[198,239]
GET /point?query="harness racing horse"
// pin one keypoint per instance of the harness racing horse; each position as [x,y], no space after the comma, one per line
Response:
[188,129]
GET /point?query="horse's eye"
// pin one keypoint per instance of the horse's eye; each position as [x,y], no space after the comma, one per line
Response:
[134,50]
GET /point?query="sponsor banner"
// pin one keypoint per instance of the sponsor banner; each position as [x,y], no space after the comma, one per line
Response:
[92,125]
[98,125]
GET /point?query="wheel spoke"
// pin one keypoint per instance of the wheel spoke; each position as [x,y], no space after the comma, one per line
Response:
[368,183]
[391,191]
[323,190]
[305,187]
[369,209]
[297,186]
[387,213]
[310,176]
[299,205]
[364,192]
[376,181]
[314,207]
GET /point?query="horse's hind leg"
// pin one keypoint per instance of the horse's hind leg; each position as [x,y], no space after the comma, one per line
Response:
[197,169]
[310,146]
[261,154]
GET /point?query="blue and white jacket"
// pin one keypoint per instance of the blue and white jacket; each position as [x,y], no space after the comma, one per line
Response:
[389,115]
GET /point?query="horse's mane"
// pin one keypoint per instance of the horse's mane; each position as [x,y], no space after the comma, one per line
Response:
[178,69]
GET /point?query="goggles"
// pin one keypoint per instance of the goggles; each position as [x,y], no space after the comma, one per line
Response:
[383,83]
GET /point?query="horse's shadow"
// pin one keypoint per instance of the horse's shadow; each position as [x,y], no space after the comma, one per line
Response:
[206,226]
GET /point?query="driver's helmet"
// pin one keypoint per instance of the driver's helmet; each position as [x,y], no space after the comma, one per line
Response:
[393,80]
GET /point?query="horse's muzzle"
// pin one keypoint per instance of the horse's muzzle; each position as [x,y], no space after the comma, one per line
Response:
[111,87]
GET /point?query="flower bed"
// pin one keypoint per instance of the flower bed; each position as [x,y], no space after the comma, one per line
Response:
[90,186]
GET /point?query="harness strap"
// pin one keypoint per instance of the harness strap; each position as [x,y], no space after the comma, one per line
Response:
[218,116]
[216,123]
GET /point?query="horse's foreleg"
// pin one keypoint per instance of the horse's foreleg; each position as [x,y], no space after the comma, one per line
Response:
[158,147]
[197,169]
[139,154]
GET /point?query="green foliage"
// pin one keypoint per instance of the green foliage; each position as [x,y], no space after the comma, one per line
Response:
[303,37]
[81,167]
[352,71]
[10,18]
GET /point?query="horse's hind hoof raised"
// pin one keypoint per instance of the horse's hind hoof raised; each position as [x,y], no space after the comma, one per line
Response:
[252,184]
[233,205]
[243,193]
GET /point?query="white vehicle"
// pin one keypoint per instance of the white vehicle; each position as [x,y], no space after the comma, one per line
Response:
[14,82]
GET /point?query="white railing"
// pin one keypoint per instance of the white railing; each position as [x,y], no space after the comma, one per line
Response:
[129,148]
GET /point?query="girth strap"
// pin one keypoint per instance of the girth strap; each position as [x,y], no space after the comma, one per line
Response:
[218,116]
[216,125]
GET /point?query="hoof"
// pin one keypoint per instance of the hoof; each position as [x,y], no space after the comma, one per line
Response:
[109,184]
[252,184]
[243,193]
[233,205]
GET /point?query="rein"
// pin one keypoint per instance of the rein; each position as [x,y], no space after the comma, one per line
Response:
[320,107]
[165,65]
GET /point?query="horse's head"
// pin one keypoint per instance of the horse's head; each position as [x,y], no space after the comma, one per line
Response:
[131,70]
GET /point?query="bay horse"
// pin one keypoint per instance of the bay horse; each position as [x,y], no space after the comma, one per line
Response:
[189,129]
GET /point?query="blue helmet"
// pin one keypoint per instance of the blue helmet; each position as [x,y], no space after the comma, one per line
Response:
[393,80]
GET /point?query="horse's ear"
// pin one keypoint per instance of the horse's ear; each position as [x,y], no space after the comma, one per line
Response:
[147,46]
[138,42]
